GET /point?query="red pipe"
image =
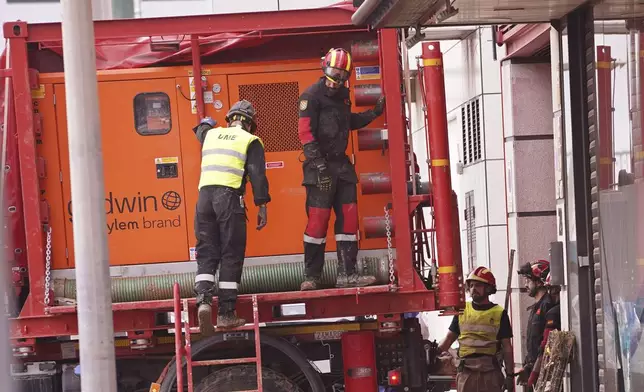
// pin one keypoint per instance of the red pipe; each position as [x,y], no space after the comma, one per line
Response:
[638,170]
[638,151]
[178,347]
[450,288]
[196,73]
[605,109]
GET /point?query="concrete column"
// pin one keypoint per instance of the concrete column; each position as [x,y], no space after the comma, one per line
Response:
[529,151]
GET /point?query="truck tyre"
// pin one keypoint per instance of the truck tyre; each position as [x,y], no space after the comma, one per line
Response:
[244,378]
[287,348]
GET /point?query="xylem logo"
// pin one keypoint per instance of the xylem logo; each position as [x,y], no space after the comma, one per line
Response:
[145,206]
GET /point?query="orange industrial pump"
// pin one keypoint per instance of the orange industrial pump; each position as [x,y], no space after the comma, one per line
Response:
[152,158]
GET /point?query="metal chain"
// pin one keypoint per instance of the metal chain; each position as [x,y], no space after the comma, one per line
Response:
[389,247]
[48,267]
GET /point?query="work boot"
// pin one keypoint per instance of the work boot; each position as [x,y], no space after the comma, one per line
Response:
[204,314]
[204,289]
[347,274]
[310,283]
[229,320]
[354,280]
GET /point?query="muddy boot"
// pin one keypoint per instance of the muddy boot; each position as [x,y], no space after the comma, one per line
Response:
[204,315]
[348,275]
[229,320]
[310,284]
[355,280]
[342,279]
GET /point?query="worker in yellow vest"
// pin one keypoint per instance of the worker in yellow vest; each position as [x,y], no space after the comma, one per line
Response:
[229,155]
[483,331]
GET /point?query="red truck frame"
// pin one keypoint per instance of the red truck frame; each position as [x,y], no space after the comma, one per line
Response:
[406,292]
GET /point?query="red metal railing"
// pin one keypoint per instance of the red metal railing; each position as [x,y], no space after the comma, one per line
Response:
[182,314]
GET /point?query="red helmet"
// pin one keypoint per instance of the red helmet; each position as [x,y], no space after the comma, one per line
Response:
[537,270]
[482,274]
[337,65]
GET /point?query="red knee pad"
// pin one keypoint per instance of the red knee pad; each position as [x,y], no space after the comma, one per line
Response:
[350,215]
[318,223]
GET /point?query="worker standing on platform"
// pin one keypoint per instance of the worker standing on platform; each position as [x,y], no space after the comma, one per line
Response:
[325,122]
[553,323]
[228,156]
[535,274]
[483,330]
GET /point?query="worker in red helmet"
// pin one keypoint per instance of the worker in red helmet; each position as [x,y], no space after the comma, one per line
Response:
[325,122]
[553,323]
[483,332]
[534,274]
[229,157]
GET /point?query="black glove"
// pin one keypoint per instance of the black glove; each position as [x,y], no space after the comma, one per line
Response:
[324,178]
[380,106]
[262,219]
[204,126]
[508,383]
[523,374]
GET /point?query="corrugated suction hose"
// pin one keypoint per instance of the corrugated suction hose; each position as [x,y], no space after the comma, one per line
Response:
[266,278]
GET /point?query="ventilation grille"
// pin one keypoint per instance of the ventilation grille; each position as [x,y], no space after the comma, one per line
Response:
[277,117]
[471,123]
[470,218]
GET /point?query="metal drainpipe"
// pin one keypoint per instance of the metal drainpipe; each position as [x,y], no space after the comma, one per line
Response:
[450,287]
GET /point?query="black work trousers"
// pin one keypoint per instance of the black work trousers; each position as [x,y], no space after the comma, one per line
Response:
[342,197]
[220,228]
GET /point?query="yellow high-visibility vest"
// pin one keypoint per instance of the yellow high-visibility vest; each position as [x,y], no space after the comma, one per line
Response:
[479,329]
[223,156]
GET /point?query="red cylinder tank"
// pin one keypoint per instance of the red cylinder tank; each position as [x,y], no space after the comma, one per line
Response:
[375,226]
[365,50]
[370,139]
[359,359]
[367,94]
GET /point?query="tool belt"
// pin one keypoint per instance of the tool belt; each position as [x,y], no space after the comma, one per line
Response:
[482,363]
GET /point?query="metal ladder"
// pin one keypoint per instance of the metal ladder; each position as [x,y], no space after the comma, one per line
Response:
[182,314]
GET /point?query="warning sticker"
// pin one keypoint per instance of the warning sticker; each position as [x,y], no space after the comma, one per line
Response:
[204,72]
[159,161]
[275,165]
[371,72]
[193,100]
[193,254]
[207,97]
[38,93]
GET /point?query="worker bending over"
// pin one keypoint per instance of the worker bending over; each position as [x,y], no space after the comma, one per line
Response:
[325,122]
[228,156]
[553,323]
[534,274]
[483,330]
